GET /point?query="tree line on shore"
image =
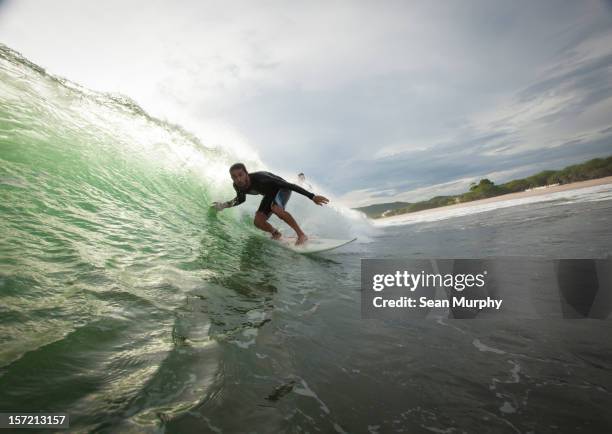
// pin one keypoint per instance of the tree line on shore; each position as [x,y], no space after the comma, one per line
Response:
[592,169]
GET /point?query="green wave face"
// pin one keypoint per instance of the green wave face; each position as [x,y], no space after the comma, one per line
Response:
[106,237]
[122,296]
[91,179]
[91,183]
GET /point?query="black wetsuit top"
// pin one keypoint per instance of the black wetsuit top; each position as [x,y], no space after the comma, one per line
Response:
[268,184]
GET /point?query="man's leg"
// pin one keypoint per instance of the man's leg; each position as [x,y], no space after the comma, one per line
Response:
[261,221]
[288,218]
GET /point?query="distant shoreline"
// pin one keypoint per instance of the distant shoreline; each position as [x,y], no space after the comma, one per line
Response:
[509,196]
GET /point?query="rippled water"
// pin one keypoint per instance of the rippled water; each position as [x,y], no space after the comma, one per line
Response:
[125,302]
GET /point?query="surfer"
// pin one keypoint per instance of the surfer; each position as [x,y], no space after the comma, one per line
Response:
[302,181]
[276,192]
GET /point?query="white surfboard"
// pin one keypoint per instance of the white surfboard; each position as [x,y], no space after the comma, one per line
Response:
[313,245]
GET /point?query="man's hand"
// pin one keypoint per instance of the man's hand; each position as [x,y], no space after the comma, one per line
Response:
[219,205]
[320,200]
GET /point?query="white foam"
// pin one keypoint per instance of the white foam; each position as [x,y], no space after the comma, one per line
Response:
[304,390]
[485,348]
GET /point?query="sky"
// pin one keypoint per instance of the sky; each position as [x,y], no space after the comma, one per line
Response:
[373,101]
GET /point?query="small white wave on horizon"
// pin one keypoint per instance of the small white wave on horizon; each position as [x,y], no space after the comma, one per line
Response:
[586,194]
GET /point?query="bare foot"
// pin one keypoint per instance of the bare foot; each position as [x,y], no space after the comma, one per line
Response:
[301,239]
[276,235]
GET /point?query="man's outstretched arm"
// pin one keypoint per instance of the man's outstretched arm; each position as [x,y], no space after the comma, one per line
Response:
[240,198]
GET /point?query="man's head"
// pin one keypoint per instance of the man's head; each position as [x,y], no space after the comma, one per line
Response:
[239,175]
[301,176]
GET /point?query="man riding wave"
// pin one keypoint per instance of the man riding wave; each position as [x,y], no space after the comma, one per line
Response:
[276,192]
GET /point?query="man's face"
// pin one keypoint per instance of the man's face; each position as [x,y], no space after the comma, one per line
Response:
[240,178]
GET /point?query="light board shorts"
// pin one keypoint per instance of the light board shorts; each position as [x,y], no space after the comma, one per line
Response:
[281,199]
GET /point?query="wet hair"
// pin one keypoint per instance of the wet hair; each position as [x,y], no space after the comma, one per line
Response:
[237,166]
[301,174]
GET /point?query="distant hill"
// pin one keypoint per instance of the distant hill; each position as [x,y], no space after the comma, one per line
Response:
[376,210]
[592,169]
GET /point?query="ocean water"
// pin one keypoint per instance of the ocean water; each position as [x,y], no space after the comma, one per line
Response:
[129,305]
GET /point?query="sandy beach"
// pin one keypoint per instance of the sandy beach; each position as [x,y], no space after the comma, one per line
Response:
[504,197]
